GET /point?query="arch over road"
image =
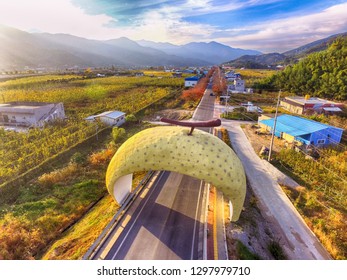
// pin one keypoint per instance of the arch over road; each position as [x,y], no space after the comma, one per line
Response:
[200,155]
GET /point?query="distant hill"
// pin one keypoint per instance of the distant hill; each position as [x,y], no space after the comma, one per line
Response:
[292,56]
[213,52]
[257,61]
[19,50]
[321,74]
[316,46]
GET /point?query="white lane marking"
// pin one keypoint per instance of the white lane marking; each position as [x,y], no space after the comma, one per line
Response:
[195,222]
[138,215]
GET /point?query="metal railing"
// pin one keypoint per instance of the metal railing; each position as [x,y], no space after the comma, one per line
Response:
[99,242]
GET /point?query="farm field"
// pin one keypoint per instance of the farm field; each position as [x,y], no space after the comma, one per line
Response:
[37,211]
[81,97]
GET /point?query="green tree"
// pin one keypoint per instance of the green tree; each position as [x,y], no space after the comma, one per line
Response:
[130,118]
[118,134]
[320,74]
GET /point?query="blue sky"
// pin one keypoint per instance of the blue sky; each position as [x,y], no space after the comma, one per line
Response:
[265,25]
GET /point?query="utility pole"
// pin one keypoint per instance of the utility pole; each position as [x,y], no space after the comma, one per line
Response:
[274,127]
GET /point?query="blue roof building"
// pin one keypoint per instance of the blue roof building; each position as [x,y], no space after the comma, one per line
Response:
[191,81]
[194,78]
[306,131]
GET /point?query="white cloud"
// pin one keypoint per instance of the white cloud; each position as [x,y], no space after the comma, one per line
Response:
[166,27]
[285,34]
[61,16]
[54,16]
[167,23]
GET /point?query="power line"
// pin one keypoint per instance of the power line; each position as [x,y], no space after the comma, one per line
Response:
[274,128]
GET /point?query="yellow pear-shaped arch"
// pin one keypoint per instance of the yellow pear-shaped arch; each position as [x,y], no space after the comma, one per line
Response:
[200,155]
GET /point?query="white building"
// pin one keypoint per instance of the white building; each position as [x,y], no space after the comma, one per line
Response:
[254,109]
[191,81]
[30,114]
[111,118]
[251,107]
[238,86]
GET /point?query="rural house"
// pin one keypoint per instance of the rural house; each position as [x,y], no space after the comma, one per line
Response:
[110,118]
[293,128]
[301,105]
[191,81]
[30,114]
[238,86]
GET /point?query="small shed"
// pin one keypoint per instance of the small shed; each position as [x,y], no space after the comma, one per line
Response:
[293,128]
[111,118]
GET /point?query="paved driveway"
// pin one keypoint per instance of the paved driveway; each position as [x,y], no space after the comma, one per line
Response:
[296,238]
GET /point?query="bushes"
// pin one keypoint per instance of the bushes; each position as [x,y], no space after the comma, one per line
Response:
[130,118]
[59,176]
[244,253]
[101,158]
[77,158]
[276,250]
[18,239]
[225,137]
[240,116]
[118,134]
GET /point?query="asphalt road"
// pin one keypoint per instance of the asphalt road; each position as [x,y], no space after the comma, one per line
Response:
[167,220]
[205,109]
[165,224]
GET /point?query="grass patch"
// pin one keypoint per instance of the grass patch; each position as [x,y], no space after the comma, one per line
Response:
[75,242]
[276,250]
[225,137]
[247,116]
[244,253]
[49,205]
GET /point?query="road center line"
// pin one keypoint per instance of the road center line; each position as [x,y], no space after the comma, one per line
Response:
[195,222]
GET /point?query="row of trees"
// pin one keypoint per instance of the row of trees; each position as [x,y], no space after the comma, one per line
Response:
[219,82]
[322,74]
[194,94]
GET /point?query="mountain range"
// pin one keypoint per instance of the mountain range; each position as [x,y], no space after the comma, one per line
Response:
[19,50]
[213,52]
[291,56]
